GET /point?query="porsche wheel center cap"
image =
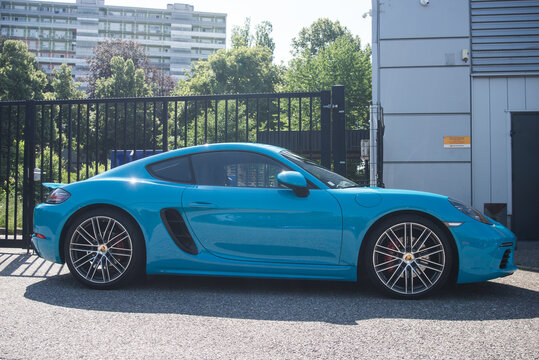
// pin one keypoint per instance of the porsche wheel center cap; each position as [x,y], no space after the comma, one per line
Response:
[102,248]
[408,257]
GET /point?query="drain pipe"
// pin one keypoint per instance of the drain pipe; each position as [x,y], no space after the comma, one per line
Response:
[375,105]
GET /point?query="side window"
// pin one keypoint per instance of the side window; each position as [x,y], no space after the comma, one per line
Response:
[237,169]
[175,169]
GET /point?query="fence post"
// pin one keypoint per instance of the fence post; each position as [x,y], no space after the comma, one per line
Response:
[28,176]
[165,126]
[325,129]
[338,125]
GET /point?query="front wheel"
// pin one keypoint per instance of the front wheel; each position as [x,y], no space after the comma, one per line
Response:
[408,256]
[104,249]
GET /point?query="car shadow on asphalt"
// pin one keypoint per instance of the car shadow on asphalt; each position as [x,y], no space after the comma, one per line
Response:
[288,300]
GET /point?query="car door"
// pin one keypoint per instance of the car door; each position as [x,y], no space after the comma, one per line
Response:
[238,211]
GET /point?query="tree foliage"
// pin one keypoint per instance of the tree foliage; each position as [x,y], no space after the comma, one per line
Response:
[238,70]
[100,63]
[342,62]
[63,85]
[124,81]
[320,34]
[242,36]
[20,78]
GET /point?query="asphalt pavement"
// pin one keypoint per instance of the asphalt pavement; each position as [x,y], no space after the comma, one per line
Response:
[46,314]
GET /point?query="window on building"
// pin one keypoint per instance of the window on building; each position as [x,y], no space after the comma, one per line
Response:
[115,26]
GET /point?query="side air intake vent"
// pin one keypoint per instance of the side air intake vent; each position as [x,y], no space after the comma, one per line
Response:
[178,230]
[505,259]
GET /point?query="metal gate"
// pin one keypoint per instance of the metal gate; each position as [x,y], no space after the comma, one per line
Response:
[71,140]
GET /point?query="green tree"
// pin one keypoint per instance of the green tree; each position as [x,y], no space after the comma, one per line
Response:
[238,70]
[263,35]
[63,85]
[320,34]
[125,81]
[242,36]
[343,62]
[20,78]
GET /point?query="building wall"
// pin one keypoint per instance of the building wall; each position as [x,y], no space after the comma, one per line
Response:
[493,100]
[428,91]
[424,89]
[65,32]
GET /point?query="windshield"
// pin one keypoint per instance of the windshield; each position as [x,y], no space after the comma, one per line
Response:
[334,181]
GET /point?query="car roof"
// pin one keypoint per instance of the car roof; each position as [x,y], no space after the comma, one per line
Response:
[128,168]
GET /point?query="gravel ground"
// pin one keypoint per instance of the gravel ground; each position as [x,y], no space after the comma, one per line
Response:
[46,314]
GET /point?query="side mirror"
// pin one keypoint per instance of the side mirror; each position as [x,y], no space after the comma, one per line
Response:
[295,181]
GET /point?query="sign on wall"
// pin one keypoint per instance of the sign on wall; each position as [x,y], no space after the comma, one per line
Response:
[457,142]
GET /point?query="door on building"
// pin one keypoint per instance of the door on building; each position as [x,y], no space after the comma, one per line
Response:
[525,174]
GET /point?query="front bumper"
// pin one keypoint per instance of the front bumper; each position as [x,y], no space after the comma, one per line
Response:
[485,251]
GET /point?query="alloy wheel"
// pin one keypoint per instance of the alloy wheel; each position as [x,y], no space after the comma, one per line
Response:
[409,258]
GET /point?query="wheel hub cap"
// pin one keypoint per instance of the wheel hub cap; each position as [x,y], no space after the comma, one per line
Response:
[408,258]
[103,249]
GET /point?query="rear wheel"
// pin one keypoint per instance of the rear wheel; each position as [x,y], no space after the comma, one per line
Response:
[104,249]
[408,256]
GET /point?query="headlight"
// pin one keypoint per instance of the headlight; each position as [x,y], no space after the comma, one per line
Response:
[57,196]
[470,211]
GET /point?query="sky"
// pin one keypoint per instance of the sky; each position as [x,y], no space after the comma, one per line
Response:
[288,17]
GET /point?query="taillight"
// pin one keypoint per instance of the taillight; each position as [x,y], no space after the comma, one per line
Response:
[57,196]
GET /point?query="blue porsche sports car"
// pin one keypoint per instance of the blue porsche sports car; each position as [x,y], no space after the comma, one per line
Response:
[242,209]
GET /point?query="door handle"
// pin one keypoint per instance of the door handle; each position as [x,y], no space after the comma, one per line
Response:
[202,204]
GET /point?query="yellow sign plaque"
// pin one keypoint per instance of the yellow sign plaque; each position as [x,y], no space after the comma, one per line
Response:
[457,142]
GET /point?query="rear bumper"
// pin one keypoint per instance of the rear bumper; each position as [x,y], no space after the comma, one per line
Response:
[48,221]
[485,251]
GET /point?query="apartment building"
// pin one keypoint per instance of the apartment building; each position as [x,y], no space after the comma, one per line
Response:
[61,32]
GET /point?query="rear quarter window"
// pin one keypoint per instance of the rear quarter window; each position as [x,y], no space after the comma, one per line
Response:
[175,170]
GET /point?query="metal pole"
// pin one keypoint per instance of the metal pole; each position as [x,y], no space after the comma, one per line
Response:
[339,129]
[29,165]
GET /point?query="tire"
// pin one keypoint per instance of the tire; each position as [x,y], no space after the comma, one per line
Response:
[408,256]
[104,249]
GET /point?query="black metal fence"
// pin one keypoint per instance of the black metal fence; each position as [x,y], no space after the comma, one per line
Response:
[71,140]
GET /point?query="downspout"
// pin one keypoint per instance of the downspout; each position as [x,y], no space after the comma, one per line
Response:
[375,106]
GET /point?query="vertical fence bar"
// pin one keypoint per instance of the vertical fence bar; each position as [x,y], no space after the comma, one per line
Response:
[289,121]
[278,120]
[311,127]
[153,129]
[339,128]
[116,133]
[96,138]
[325,129]
[216,119]
[246,120]
[78,142]
[69,144]
[42,128]
[8,168]
[300,137]
[135,130]
[60,142]
[144,129]
[87,140]
[237,122]
[29,165]
[185,123]
[124,142]
[165,126]
[51,144]
[257,119]
[206,122]
[226,120]
[196,122]
[17,142]
[105,136]
[175,124]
